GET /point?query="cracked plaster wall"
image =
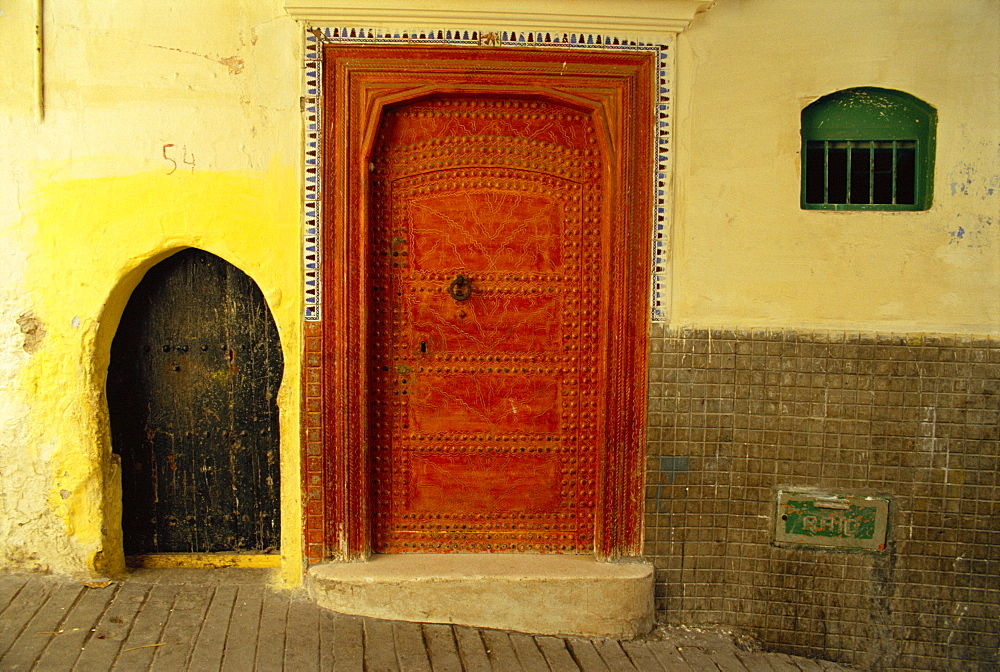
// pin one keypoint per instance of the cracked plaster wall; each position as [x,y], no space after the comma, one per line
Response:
[746,255]
[166,125]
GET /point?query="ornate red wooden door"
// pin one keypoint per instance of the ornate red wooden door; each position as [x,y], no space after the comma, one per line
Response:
[477,382]
[486,259]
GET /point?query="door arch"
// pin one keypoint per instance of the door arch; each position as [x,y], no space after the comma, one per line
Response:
[192,390]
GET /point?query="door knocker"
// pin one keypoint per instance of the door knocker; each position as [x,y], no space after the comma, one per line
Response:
[460,289]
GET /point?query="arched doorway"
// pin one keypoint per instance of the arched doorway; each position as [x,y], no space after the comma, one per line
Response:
[192,392]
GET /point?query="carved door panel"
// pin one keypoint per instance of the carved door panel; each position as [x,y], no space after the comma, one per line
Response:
[485,257]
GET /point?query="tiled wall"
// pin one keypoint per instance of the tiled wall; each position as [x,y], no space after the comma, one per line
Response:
[736,415]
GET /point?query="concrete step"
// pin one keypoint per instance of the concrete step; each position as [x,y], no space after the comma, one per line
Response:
[540,594]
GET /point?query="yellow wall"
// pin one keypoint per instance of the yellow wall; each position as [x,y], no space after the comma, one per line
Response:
[89,200]
[746,255]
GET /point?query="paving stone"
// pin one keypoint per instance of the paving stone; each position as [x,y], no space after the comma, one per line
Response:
[755,662]
[10,586]
[472,650]
[805,664]
[556,654]
[273,626]
[411,652]
[244,625]
[302,643]
[21,609]
[80,624]
[669,657]
[585,653]
[700,660]
[348,642]
[100,649]
[527,651]
[37,632]
[614,656]
[782,663]
[211,643]
[500,650]
[380,647]
[145,637]
[184,624]
[642,657]
[442,648]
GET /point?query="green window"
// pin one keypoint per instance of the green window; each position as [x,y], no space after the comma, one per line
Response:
[868,149]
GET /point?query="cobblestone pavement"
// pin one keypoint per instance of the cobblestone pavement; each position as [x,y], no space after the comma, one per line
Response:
[229,619]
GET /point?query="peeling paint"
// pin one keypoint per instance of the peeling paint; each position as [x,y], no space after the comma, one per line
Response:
[33,330]
[978,235]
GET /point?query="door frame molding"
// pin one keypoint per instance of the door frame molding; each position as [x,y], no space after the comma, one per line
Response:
[631,18]
[617,88]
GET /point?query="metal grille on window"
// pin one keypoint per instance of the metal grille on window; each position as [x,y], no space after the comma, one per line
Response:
[868,149]
[860,172]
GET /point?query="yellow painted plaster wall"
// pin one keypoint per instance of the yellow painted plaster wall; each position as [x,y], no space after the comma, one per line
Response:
[166,125]
[744,254]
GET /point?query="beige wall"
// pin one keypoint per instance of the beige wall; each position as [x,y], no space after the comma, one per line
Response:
[746,255]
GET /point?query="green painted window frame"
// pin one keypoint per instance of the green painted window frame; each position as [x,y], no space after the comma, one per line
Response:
[892,131]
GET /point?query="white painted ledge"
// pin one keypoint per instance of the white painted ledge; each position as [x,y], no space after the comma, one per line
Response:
[636,19]
[540,594]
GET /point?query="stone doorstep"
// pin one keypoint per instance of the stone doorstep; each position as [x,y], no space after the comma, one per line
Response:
[539,594]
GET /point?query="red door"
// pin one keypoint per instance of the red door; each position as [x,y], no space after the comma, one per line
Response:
[477,381]
[487,232]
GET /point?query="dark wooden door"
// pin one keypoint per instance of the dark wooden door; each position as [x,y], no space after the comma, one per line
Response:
[486,263]
[192,387]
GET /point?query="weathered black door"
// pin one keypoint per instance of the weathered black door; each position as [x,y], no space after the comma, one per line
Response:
[192,388]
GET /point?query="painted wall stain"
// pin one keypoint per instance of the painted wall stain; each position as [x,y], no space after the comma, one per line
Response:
[962,179]
[978,235]
[234,64]
[33,330]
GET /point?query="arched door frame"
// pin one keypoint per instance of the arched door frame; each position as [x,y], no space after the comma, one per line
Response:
[110,558]
[617,88]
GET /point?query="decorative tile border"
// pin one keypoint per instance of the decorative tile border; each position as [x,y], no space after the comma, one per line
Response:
[312,111]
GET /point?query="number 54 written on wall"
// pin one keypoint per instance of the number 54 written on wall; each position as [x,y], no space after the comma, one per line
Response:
[170,152]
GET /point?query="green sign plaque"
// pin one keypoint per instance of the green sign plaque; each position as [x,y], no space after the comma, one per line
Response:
[834,521]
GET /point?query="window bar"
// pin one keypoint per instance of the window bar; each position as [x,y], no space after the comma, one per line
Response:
[871,172]
[826,172]
[895,150]
[848,182]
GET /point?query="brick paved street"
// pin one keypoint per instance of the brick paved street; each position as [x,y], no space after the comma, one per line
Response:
[229,619]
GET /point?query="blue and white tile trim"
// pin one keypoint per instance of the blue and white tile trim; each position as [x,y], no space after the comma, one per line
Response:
[312,110]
